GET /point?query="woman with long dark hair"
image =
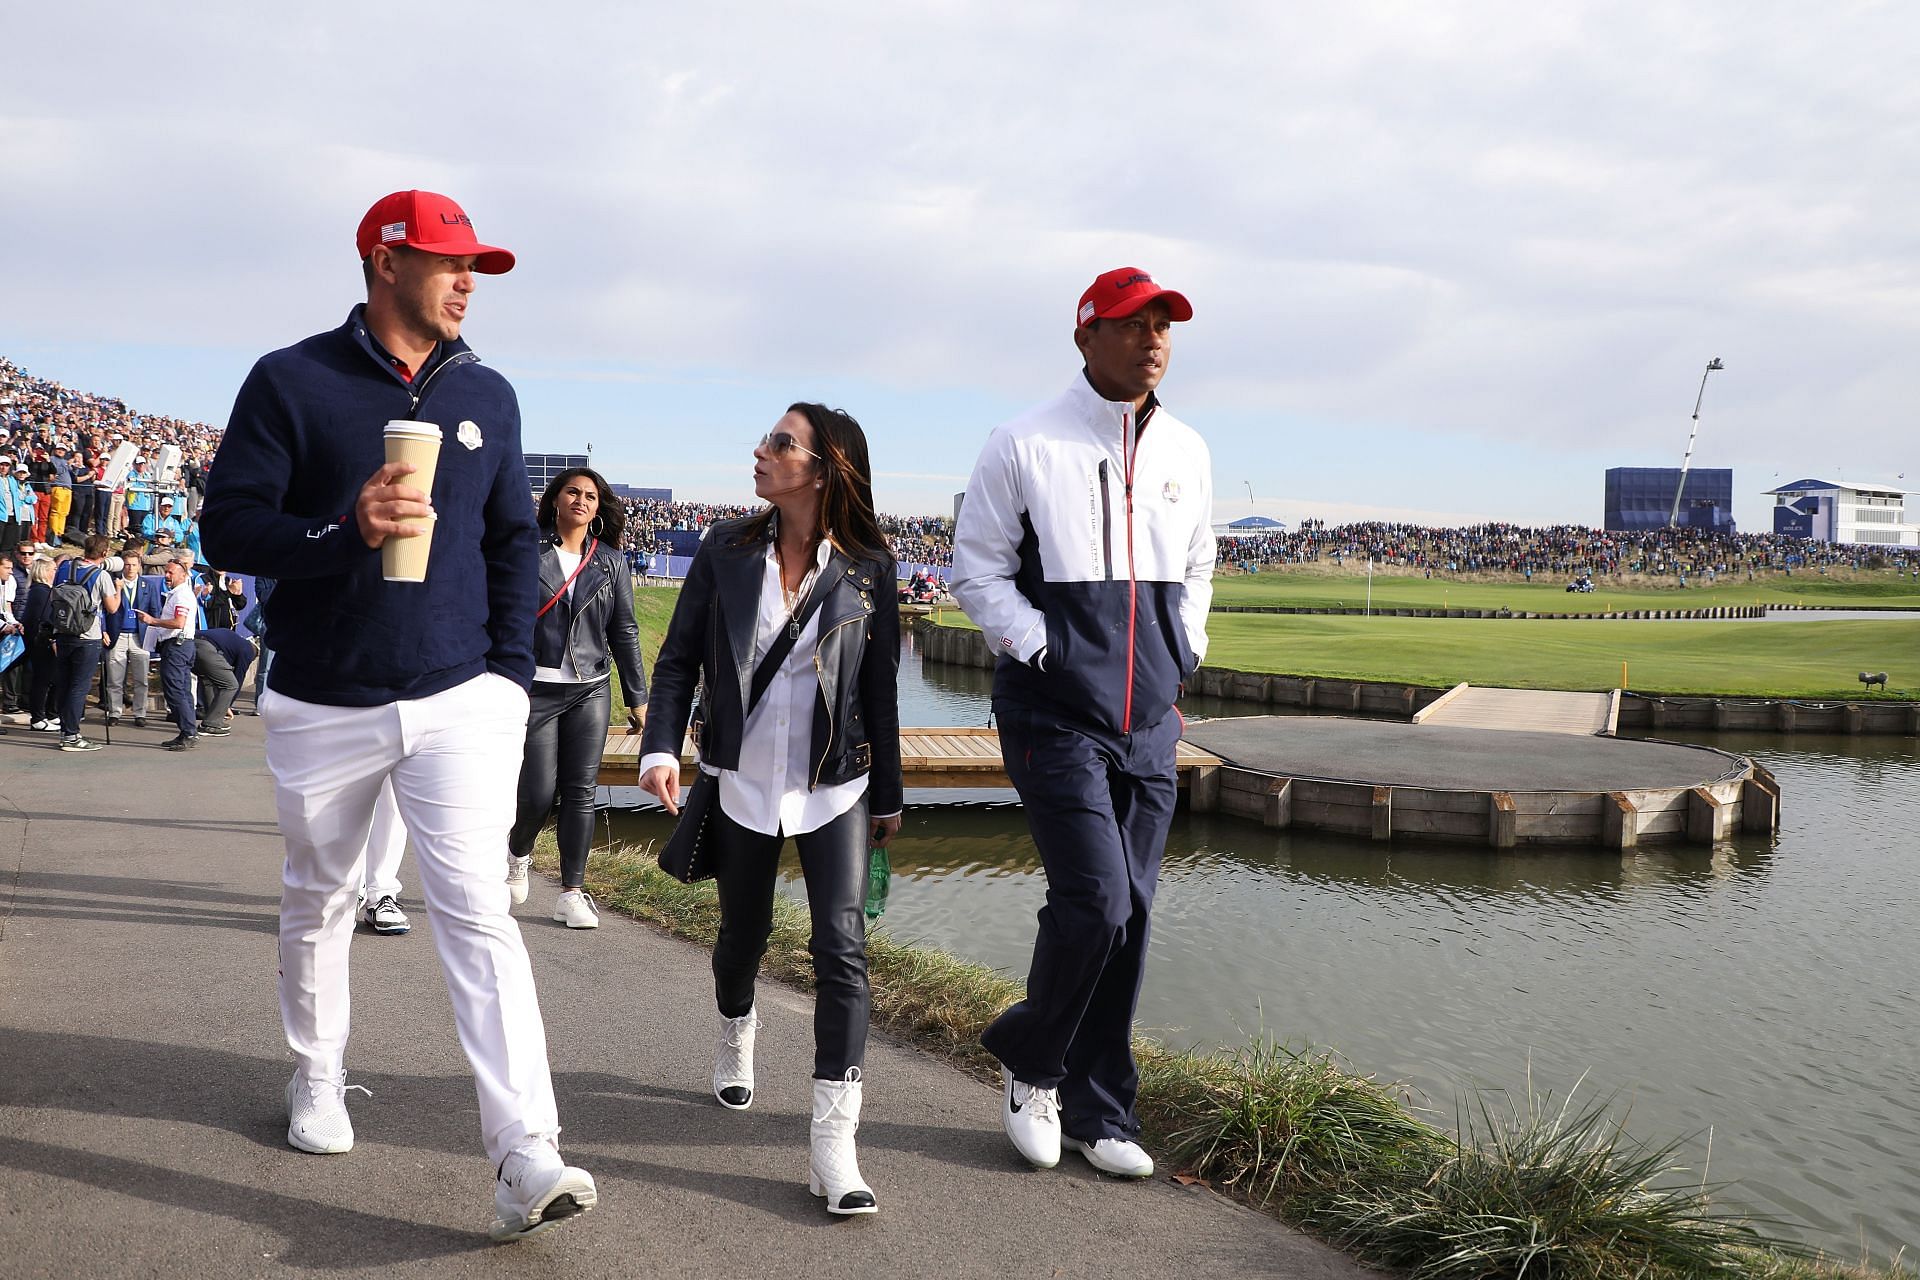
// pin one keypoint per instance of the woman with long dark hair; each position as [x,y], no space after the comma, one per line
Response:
[790,620]
[42,663]
[585,629]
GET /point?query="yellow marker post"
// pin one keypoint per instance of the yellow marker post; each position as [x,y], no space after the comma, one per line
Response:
[1623,675]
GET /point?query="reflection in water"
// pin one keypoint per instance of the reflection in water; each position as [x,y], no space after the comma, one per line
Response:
[1763,991]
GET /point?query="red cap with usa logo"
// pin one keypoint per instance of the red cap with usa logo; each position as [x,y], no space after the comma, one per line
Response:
[1123,291]
[431,223]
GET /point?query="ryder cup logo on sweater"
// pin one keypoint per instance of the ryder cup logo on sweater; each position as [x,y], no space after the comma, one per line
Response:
[393,231]
[469,435]
[1170,491]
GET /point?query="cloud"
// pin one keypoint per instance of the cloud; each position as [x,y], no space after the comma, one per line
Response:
[1503,225]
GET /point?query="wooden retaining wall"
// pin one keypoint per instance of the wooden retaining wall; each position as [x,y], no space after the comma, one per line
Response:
[1763,715]
[1498,819]
[963,646]
[1701,614]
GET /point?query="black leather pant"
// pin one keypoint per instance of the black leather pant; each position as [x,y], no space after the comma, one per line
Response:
[566,731]
[834,861]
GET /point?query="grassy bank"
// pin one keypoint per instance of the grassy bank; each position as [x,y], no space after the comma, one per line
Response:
[1320,586]
[1813,660]
[1533,1190]
[653,610]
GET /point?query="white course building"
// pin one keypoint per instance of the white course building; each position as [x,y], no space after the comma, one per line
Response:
[1859,514]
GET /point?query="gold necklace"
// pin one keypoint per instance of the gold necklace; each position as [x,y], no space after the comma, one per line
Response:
[789,599]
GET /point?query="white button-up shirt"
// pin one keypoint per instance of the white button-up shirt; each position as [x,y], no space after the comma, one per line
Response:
[768,793]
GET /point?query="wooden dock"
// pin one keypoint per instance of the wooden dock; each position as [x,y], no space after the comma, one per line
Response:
[1466,785]
[1383,781]
[1528,710]
[963,757]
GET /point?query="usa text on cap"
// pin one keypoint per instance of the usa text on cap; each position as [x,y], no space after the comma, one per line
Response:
[1123,291]
[431,223]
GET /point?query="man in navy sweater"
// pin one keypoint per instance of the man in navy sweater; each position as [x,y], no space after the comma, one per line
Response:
[424,683]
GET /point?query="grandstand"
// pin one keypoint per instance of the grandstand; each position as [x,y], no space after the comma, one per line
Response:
[35,412]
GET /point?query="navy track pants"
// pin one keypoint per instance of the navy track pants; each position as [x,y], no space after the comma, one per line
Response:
[1099,806]
[176,678]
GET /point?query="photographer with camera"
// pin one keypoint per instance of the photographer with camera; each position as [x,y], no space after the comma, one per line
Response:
[85,590]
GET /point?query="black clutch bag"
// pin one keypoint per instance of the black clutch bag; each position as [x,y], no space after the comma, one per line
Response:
[687,855]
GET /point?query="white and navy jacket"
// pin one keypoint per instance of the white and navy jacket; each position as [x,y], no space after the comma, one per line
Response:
[1091,538]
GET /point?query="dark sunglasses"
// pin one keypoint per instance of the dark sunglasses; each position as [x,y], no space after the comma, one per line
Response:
[782,442]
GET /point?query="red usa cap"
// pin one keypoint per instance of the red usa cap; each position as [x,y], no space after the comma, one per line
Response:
[1123,291]
[431,223]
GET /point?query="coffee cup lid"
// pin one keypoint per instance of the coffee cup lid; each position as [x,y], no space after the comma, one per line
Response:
[407,427]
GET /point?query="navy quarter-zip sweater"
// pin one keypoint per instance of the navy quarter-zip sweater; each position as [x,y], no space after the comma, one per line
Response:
[305,436]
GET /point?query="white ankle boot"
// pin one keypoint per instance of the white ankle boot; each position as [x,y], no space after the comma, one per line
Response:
[733,1061]
[832,1170]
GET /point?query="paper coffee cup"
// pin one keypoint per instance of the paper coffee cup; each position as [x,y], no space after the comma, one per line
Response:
[418,443]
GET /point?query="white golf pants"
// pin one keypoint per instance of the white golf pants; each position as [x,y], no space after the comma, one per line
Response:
[386,845]
[454,760]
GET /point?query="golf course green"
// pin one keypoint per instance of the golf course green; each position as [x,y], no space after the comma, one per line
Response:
[1315,587]
[1815,659]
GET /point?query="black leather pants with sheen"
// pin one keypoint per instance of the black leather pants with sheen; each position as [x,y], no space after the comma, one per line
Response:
[834,862]
[566,732]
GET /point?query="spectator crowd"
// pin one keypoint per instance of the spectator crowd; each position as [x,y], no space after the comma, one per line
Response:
[128,540]
[55,485]
[100,571]
[1555,551]
[923,540]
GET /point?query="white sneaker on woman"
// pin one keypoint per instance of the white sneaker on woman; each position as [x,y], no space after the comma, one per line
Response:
[575,909]
[517,877]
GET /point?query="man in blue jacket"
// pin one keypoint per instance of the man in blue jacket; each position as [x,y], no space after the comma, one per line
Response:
[424,683]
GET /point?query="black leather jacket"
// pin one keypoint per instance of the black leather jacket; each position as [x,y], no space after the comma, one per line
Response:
[856,718]
[594,622]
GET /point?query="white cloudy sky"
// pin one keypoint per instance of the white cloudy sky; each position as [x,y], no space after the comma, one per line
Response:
[1448,261]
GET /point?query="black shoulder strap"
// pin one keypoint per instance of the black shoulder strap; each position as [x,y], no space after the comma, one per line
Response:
[783,643]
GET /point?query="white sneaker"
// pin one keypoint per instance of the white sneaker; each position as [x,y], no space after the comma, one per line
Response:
[733,1061]
[575,909]
[517,877]
[317,1114]
[537,1190]
[1116,1156]
[385,915]
[1031,1118]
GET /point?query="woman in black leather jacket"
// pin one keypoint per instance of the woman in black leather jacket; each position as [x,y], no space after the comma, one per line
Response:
[584,629]
[816,756]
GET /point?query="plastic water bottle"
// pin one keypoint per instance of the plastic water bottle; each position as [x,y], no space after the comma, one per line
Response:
[879,879]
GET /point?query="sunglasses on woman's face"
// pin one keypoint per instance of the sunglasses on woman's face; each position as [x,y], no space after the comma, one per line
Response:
[778,442]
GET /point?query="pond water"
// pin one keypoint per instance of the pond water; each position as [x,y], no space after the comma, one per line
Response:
[1759,997]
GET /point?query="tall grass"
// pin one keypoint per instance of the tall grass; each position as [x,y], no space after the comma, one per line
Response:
[1526,1190]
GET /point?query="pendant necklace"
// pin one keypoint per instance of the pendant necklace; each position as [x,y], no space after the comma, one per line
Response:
[791,599]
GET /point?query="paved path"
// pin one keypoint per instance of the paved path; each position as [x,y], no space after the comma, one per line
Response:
[141,1069]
